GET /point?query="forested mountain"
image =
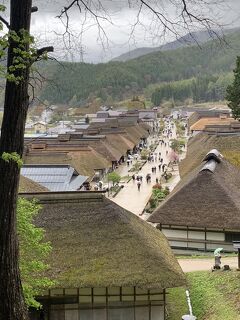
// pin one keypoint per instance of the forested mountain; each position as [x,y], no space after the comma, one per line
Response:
[198,37]
[205,67]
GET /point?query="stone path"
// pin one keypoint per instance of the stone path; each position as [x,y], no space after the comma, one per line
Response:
[132,199]
[190,265]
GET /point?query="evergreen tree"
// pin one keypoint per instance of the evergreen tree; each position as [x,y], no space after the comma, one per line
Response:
[233,92]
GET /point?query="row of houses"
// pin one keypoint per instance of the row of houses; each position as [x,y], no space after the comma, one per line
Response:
[89,153]
[100,119]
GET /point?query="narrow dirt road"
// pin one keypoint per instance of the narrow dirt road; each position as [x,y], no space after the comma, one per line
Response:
[190,265]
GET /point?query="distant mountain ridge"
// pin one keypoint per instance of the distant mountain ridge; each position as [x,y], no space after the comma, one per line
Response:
[193,38]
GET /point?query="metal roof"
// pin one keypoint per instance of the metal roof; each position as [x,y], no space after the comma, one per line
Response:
[54,177]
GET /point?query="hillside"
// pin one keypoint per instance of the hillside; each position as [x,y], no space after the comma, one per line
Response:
[78,83]
[193,38]
[214,295]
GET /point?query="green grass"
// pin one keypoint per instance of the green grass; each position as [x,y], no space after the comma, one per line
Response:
[214,296]
[176,304]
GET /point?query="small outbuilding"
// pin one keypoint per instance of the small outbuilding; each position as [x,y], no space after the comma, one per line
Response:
[108,263]
[203,211]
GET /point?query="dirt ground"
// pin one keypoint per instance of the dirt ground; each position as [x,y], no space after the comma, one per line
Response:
[189,265]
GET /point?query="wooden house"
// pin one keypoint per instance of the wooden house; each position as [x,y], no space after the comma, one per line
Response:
[108,264]
[203,211]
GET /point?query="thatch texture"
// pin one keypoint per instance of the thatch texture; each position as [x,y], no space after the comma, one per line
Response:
[27,185]
[96,243]
[116,141]
[204,199]
[198,146]
[203,122]
[106,150]
[194,117]
[84,161]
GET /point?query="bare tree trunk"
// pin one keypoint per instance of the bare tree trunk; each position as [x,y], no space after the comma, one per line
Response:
[12,306]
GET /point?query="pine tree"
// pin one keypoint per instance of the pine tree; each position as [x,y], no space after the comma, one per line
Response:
[233,92]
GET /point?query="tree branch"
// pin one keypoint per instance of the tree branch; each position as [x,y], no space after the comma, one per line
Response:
[34,9]
[44,50]
[5,22]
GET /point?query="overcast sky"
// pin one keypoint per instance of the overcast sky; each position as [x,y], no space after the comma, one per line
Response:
[92,44]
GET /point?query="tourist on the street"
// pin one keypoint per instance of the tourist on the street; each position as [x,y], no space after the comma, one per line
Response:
[139,185]
[156,180]
[159,167]
[148,177]
[133,177]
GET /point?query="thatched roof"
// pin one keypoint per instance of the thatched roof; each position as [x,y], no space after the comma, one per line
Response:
[203,122]
[96,243]
[199,145]
[117,141]
[84,161]
[209,196]
[27,185]
[106,150]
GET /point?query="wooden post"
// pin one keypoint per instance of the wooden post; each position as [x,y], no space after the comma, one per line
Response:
[238,258]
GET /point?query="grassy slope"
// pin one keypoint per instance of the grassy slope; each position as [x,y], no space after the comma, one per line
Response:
[214,296]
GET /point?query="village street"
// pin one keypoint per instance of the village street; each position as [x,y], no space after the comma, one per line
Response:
[205,264]
[132,199]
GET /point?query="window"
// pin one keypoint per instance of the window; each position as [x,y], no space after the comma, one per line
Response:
[232,236]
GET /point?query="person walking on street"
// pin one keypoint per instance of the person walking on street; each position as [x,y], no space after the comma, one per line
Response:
[133,177]
[159,167]
[139,185]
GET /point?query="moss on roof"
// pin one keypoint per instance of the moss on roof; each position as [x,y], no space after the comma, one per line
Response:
[200,144]
[97,243]
[204,199]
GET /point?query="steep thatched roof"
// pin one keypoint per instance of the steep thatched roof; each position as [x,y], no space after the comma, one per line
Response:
[27,185]
[209,196]
[116,141]
[136,133]
[199,145]
[84,161]
[96,243]
[203,122]
[194,117]
[106,150]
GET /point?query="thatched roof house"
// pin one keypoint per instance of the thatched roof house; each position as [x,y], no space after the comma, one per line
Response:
[100,246]
[198,146]
[27,185]
[84,159]
[206,203]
